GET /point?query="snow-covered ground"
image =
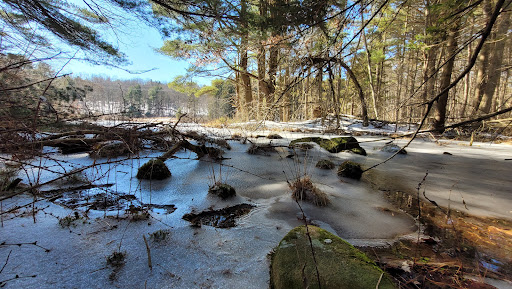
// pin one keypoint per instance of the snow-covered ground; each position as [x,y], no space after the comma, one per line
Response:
[209,257]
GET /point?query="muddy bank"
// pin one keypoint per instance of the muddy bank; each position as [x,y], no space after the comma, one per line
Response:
[450,242]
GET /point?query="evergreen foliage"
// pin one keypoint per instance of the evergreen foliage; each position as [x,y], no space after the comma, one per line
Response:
[28,21]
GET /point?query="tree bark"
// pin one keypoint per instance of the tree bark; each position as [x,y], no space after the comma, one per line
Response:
[319,91]
[244,59]
[429,67]
[451,47]
[262,56]
[286,97]
[364,109]
[483,64]
[369,67]
[495,62]
[272,70]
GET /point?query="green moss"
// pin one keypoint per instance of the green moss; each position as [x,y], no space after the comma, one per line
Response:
[325,164]
[340,264]
[302,146]
[153,170]
[359,151]
[334,145]
[350,169]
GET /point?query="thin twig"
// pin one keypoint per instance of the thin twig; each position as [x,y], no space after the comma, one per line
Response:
[419,215]
[310,244]
[61,177]
[380,279]
[6,261]
[2,283]
[148,251]
[178,121]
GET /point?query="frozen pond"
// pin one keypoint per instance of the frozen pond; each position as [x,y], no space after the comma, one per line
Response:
[209,257]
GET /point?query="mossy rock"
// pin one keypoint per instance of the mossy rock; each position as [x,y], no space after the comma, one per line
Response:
[350,169]
[325,164]
[359,151]
[340,265]
[153,170]
[334,145]
[303,146]
[222,190]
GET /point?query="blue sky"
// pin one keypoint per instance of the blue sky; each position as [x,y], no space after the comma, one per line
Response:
[139,42]
[139,45]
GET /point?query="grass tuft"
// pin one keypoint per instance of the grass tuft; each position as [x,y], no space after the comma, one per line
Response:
[304,190]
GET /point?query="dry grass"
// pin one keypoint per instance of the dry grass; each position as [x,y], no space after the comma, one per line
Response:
[304,190]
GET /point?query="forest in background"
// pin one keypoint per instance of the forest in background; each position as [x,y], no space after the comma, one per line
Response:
[399,61]
[387,60]
[67,98]
[442,64]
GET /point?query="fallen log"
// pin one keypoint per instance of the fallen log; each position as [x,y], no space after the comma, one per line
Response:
[152,168]
[199,150]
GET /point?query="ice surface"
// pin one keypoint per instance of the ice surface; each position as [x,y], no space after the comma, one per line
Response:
[477,175]
[208,257]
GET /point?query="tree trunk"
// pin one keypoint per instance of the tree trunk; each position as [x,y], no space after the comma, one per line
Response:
[272,70]
[262,85]
[467,87]
[364,110]
[307,99]
[429,67]
[335,102]
[379,74]
[369,67]
[495,62]
[286,96]
[451,47]
[244,45]
[238,94]
[483,64]
[317,111]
